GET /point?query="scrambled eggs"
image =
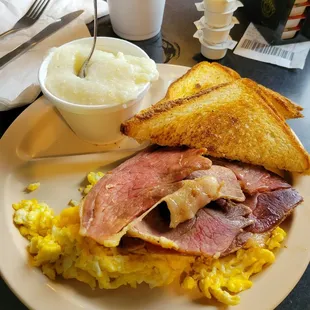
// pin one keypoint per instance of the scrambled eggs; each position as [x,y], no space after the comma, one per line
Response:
[56,246]
[33,186]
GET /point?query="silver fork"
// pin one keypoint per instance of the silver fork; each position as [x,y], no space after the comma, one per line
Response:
[32,15]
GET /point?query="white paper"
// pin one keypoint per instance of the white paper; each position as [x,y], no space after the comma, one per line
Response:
[19,79]
[253,45]
[19,83]
[12,10]
[200,6]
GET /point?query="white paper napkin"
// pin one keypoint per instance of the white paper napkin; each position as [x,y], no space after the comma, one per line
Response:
[19,79]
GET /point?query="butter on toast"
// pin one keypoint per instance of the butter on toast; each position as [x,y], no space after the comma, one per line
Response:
[231,120]
[205,75]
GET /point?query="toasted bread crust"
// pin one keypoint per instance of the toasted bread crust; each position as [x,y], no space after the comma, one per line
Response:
[157,110]
[201,76]
[205,75]
[230,71]
[286,107]
[231,120]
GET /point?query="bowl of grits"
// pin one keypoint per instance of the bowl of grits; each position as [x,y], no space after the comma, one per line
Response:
[118,76]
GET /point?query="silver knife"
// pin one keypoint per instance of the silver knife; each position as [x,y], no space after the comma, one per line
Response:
[46,32]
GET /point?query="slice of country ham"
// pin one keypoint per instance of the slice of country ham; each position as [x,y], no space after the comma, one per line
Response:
[212,232]
[269,209]
[196,193]
[231,188]
[200,188]
[253,179]
[189,196]
[138,246]
[184,203]
[132,188]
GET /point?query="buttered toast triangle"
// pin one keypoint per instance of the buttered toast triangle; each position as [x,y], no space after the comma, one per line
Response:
[231,121]
[201,76]
[205,75]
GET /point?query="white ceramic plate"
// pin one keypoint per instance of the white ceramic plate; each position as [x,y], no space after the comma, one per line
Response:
[40,132]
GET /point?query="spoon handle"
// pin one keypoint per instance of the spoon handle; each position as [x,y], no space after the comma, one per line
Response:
[95,30]
[95,23]
[82,71]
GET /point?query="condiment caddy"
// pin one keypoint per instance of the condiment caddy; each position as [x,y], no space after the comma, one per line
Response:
[279,21]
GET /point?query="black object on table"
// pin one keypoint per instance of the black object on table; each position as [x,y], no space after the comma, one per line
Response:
[176,45]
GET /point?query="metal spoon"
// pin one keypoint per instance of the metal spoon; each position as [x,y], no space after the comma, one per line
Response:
[82,71]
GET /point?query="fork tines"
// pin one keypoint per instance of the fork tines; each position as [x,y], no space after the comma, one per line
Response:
[37,9]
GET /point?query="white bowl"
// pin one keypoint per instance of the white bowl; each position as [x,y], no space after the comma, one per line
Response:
[219,6]
[97,124]
[220,20]
[213,53]
[216,35]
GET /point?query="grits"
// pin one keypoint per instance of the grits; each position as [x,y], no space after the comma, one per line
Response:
[57,248]
[111,78]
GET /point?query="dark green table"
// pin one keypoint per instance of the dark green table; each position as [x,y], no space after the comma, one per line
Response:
[176,45]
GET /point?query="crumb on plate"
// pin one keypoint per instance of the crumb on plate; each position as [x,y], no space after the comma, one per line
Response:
[33,186]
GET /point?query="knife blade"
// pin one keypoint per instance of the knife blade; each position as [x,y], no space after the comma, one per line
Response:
[46,32]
